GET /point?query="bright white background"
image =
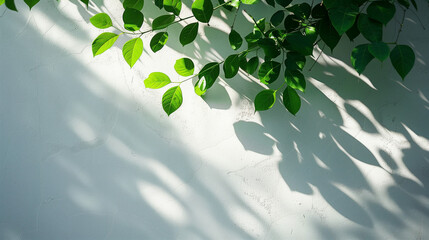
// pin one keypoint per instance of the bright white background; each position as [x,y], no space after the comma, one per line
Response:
[86,152]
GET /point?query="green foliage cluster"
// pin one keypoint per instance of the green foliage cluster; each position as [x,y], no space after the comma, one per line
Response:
[290,33]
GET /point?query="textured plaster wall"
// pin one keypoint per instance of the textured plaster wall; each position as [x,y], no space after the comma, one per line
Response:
[87,153]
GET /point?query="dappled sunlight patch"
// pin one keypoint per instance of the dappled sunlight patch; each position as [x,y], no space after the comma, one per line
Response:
[163,203]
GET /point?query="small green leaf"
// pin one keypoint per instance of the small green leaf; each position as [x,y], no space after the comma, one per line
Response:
[157,80]
[162,22]
[319,11]
[235,39]
[277,18]
[259,26]
[302,10]
[380,50]
[269,71]
[271,50]
[200,87]
[209,72]
[189,33]
[343,18]
[172,100]
[202,10]
[1,2]
[249,2]
[31,3]
[158,41]
[292,23]
[336,3]
[132,51]
[272,3]
[253,37]
[265,100]
[101,20]
[402,58]
[103,42]
[295,79]
[159,3]
[328,33]
[231,65]
[10,4]
[252,65]
[295,61]
[283,3]
[298,42]
[381,11]
[184,67]
[361,57]
[133,19]
[173,6]
[136,4]
[353,32]
[291,100]
[372,30]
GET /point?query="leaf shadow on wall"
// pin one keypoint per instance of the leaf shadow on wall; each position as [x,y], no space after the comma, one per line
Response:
[324,147]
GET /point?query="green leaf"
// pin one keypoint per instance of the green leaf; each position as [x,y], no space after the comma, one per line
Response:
[336,3]
[133,19]
[159,3]
[295,61]
[343,18]
[1,2]
[252,65]
[10,4]
[319,11]
[158,41]
[269,71]
[380,50]
[265,100]
[162,22]
[231,65]
[259,26]
[381,11]
[353,32]
[292,23]
[234,3]
[31,3]
[249,2]
[202,10]
[103,42]
[200,87]
[361,57]
[136,4]
[302,10]
[184,67]
[210,72]
[271,50]
[253,37]
[372,30]
[235,39]
[298,42]
[172,100]
[132,51]
[189,33]
[173,6]
[295,79]
[283,3]
[277,18]
[402,58]
[157,80]
[414,4]
[291,100]
[101,20]
[328,33]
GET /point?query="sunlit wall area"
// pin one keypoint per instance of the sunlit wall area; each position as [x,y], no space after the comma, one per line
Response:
[86,152]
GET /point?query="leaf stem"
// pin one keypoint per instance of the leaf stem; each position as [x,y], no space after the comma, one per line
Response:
[400,26]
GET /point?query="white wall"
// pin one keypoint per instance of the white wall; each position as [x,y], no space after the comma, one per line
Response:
[86,152]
